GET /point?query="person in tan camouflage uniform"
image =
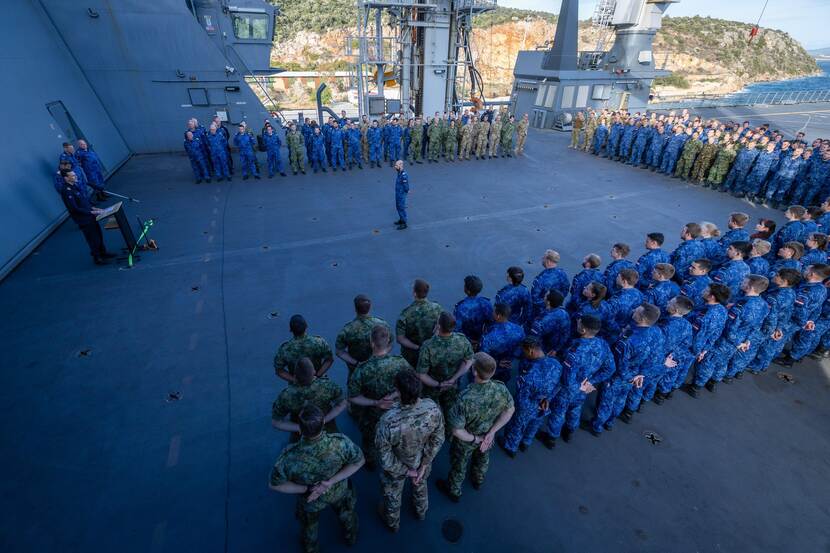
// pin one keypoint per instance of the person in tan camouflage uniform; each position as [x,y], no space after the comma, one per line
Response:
[317,469]
[495,137]
[482,409]
[407,439]
[364,141]
[521,134]
[307,389]
[443,359]
[416,323]
[301,345]
[372,386]
[468,137]
[590,128]
[576,130]
[482,136]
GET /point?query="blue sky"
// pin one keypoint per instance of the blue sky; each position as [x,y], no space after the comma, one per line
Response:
[806,20]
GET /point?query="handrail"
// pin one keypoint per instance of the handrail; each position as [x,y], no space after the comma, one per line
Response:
[801,96]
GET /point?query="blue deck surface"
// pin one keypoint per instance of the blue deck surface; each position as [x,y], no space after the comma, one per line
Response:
[96,458]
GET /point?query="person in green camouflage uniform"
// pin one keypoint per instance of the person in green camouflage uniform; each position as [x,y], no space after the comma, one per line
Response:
[723,163]
[307,389]
[687,158]
[442,360]
[434,137]
[296,147]
[301,345]
[445,128]
[495,137]
[507,130]
[482,136]
[467,140]
[521,134]
[417,137]
[705,159]
[354,341]
[372,387]
[317,469]
[451,143]
[416,323]
[407,439]
[590,128]
[482,409]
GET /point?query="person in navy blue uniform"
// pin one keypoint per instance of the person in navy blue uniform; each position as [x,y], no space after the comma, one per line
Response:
[374,138]
[551,278]
[654,255]
[623,303]
[663,288]
[689,249]
[734,271]
[553,324]
[84,215]
[195,153]
[586,365]
[588,274]
[697,282]
[401,193]
[619,252]
[736,232]
[247,152]
[473,313]
[92,168]
[393,140]
[517,296]
[809,300]
[793,230]
[758,262]
[273,144]
[707,325]
[336,145]
[677,347]
[318,150]
[502,341]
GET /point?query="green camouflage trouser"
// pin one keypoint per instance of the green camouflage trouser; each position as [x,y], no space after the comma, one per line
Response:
[343,506]
[368,423]
[684,166]
[445,400]
[391,487]
[434,149]
[507,145]
[461,453]
[415,150]
[295,157]
[701,167]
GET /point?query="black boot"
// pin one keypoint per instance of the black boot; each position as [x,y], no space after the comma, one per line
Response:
[711,386]
[692,390]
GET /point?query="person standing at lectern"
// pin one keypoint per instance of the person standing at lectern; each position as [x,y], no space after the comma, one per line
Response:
[84,215]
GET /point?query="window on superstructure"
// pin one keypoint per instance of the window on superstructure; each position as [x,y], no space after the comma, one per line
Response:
[250,26]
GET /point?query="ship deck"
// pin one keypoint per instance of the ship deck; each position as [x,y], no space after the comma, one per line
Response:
[100,457]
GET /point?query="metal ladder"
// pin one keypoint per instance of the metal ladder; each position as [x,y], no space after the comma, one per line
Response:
[603,15]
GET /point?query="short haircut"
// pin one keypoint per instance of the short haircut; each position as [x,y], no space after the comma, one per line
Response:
[473,285]
[304,371]
[821,270]
[682,305]
[721,292]
[791,276]
[739,218]
[666,270]
[65,172]
[743,248]
[796,247]
[446,322]
[421,288]
[65,144]
[761,246]
[409,386]
[693,229]
[814,210]
[516,274]
[650,313]
[703,263]
[362,304]
[484,365]
[590,324]
[531,342]
[310,420]
[759,283]
[630,276]
[797,211]
[656,237]
[554,298]
[552,256]
[298,325]
[380,335]
[593,260]
[820,240]
[502,310]
[623,249]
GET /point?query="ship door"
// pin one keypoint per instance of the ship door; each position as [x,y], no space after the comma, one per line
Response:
[64,122]
[539,118]
[624,100]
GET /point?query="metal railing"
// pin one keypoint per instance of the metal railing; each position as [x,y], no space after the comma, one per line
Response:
[788,97]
